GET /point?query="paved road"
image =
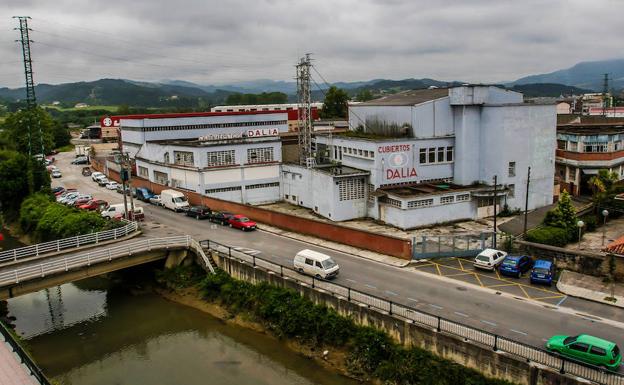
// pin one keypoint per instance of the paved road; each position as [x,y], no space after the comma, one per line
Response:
[523,320]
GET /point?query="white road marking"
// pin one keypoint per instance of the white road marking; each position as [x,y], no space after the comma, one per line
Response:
[436,306]
[519,332]
[412,299]
[488,323]
[462,314]
[562,299]
[391,292]
[371,286]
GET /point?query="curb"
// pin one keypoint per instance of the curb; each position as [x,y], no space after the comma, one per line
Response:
[286,235]
[586,294]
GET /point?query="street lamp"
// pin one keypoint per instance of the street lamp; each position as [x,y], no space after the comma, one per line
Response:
[580,225]
[605,214]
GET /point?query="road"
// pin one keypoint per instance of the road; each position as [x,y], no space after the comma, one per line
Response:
[524,320]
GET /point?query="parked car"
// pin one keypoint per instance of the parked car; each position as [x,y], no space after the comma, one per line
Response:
[242,222]
[58,190]
[221,217]
[112,185]
[103,181]
[80,160]
[155,200]
[81,200]
[94,204]
[515,265]
[143,194]
[588,349]
[67,195]
[316,264]
[96,175]
[488,259]
[86,171]
[56,173]
[543,272]
[120,190]
[174,200]
[116,211]
[198,212]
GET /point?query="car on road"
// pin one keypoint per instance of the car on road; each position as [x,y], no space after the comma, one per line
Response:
[96,175]
[316,264]
[543,272]
[112,185]
[515,265]
[86,171]
[221,217]
[103,181]
[588,349]
[489,259]
[94,204]
[241,222]
[198,212]
[155,200]
[56,173]
[80,160]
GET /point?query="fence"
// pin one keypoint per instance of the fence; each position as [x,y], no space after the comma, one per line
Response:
[432,246]
[67,243]
[494,341]
[23,356]
[61,264]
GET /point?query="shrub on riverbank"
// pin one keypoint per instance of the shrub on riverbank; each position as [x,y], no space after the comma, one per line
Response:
[372,353]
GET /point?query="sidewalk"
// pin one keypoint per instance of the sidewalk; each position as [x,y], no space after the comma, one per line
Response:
[590,288]
[12,372]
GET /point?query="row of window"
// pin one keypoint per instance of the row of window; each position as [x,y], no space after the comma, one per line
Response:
[351,189]
[435,155]
[209,125]
[239,188]
[428,201]
[222,158]
[589,146]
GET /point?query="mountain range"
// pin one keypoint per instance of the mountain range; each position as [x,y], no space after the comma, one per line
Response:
[580,78]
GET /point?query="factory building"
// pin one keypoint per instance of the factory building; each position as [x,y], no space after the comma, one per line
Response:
[430,156]
[293,122]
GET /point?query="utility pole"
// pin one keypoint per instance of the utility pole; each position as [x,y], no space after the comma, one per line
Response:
[31,100]
[495,204]
[126,181]
[526,202]
[605,91]
[306,157]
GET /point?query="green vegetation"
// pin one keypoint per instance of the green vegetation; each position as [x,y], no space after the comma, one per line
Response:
[548,235]
[371,352]
[47,220]
[335,104]
[20,176]
[110,109]
[263,98]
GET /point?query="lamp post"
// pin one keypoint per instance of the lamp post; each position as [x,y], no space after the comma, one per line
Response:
[580,225]
[605,214]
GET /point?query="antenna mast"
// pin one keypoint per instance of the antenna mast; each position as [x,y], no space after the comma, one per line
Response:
[605,91]
[306,157]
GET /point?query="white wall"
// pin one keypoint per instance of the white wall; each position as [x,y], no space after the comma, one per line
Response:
[423,216]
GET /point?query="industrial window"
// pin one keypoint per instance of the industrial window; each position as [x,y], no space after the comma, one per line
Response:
[351,189]
[183,158]
[562,144]
[223,189]
[144,172]
[596,147]
[262,185]
[447,200]
[423,155]
[220,158]
[511,172]
[440,154]
[160,177]
[166,158]
[260,155]
[573,146]
[463,197]
[512,190]
[419,203]
[432,155]
[449,154]
[371,189]
[485,202]
[391,202]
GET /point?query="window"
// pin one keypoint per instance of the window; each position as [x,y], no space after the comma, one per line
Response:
[391,202]
[166,158]
[512,190]
[419,203]
[351,189]
[596,147]
[511,172]
[573,146]
[598,351]
[562,144]
[310,262]
[432,155]
[220,158]
[318,264]
[260,155]
[447,200]
[160,177]
[262,185]
[463,197]
[371,189]
[144,172]
[449,154]
[440,154]
[223,189]
[579,347]
[423,155]
[183,158]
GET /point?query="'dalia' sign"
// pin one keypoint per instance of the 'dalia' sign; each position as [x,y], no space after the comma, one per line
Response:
[262,132]
[397,160]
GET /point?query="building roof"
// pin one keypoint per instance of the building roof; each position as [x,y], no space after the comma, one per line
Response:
[615,247]
[424,189]
[591,128]
[196,142]
[340,170]
[408,98]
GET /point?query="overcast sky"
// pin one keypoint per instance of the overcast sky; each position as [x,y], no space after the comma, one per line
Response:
[209,41]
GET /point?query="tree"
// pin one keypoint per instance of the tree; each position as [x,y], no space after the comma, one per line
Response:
[335,104]
[563,215]
[20,176]
[364,96]
[25,126]
[603,181]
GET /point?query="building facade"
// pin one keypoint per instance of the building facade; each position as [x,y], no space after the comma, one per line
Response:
[293,122]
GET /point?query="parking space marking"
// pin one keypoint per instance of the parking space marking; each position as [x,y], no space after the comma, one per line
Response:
[562,299]
[458,274]
[552,297]
[478,279]
[504,284]
[461,265]
[524,291]
[437,265]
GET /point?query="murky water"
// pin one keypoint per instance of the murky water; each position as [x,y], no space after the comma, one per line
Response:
[101,332]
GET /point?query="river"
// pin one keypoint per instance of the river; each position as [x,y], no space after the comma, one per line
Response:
[102,331]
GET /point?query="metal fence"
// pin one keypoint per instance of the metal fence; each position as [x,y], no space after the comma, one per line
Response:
[494,341]
[67,243]
[468,245]
[23,356]
[60,264]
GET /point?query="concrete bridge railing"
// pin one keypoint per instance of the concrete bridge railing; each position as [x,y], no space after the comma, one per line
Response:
[60,264]
[68,243]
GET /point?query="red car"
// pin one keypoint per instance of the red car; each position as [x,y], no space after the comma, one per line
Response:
[95,204]
[241,222]
[81,201]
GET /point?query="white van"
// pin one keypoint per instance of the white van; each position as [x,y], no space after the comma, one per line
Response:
[316,264]
[118,209]
[173,200]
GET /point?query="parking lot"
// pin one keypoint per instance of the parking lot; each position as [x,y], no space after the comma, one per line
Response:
[461,269]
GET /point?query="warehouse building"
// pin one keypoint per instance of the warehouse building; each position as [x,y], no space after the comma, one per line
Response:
[429,156]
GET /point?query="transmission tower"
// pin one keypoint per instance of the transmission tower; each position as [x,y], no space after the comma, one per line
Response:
[605,91]
[306,157]
[31,100]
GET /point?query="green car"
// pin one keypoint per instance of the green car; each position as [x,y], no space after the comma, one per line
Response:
[586,348]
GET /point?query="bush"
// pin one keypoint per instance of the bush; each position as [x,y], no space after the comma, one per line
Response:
[591,223]
[548,235]
[32,210]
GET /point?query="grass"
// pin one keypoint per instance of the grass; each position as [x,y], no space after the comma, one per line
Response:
[66,148]
[89,108]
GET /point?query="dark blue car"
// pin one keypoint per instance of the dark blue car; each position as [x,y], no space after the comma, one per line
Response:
[515,265]
[543,272]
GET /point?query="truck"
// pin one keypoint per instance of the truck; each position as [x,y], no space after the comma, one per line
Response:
[174,200]
[82,150]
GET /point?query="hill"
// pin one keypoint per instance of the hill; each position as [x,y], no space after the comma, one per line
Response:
[548,89]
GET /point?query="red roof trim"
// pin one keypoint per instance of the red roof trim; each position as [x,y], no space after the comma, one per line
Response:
[196,114]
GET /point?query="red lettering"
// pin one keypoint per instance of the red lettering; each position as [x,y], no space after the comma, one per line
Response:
[401,173]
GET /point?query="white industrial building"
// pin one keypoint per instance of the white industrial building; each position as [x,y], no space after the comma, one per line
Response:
[429,156]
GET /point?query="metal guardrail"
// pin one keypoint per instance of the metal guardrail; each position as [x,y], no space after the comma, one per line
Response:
[23,356]
[440,324]
[67,243]
[61,264]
